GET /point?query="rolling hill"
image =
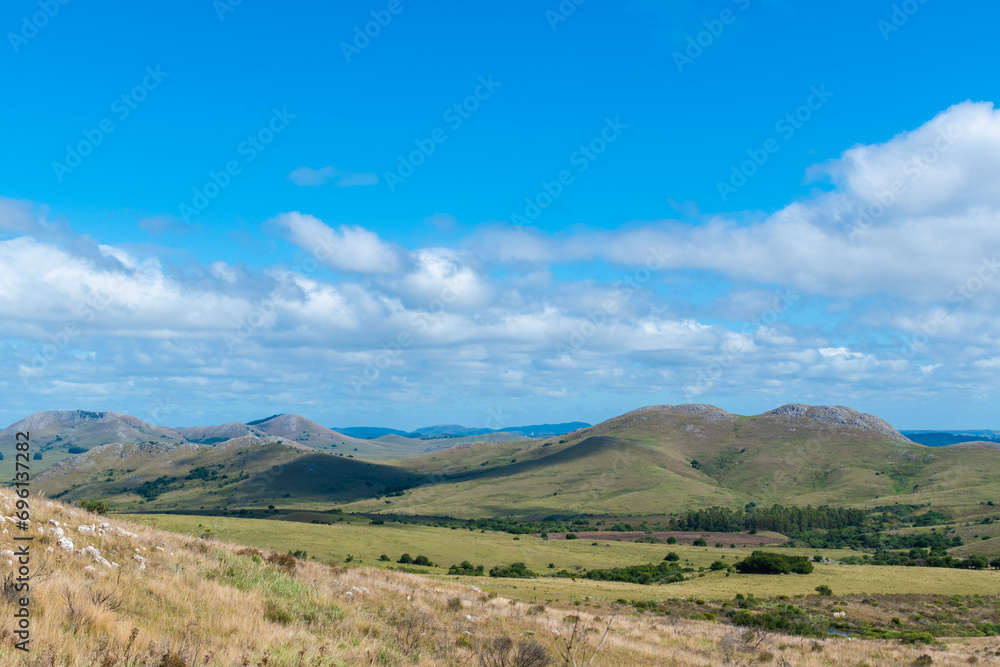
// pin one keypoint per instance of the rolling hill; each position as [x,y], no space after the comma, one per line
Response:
[81,428]
[653,460]
[58,434]
[243,472]
[668,458]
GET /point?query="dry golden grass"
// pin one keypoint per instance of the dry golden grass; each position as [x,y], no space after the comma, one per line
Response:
[211,603]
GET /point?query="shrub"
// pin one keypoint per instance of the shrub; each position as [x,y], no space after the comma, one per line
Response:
[383,558]
[286,561]
[77,450]
[671,557]
[454,604]
[823,589]
[764,562]
[423,560]
[513,571]
[700,542]
[923,660]
[405,558]
[502,652]
[466,568]
[276,614]
[571,536]
[671,540]
[95,506]
[717,565]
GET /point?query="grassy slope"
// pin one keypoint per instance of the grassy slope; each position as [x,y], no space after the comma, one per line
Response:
[204,603]
[639,463]
[258,474]
[444,547]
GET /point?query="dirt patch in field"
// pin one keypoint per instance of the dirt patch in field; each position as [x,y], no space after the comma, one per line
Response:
[739,539]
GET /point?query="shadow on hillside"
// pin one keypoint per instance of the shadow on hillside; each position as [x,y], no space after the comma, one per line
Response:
[335,478]
[592,446]
[344,479]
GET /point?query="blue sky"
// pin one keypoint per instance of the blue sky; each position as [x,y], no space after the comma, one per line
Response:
[504,214]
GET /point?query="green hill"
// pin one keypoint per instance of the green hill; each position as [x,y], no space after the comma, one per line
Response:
[243,472]
[655,460]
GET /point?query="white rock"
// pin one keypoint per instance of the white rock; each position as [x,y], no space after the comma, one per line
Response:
[94,553]
[65,543]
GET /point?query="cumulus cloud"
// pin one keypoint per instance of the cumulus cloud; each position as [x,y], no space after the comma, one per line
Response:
[349,249]
[308,177]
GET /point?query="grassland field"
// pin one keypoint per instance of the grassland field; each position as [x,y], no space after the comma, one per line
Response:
[364,544]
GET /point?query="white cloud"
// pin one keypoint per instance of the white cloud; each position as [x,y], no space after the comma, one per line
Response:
[350,249]
[308,177]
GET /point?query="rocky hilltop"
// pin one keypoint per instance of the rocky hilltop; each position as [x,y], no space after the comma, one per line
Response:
[836,415]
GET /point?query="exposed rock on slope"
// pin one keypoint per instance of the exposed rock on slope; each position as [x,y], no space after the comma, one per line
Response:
[836,414]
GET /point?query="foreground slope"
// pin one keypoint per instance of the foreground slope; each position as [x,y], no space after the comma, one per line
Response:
[115,593]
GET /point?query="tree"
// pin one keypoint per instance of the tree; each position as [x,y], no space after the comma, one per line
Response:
[405,558]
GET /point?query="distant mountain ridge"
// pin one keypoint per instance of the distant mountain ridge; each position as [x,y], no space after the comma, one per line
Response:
[60,433]
[944,438]
[458,431]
